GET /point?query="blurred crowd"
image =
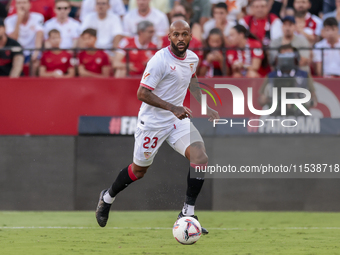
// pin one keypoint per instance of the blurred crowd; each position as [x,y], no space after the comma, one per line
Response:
[103,38]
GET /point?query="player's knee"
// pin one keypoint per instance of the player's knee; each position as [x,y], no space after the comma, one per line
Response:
[139,173]
[199,158]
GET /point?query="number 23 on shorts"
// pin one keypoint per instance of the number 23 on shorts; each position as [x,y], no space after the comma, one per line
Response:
[149,141]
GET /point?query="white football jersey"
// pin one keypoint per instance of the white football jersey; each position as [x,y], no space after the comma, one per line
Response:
[106,28]
[168,76]
[69,31]
[27,31]
[156,17]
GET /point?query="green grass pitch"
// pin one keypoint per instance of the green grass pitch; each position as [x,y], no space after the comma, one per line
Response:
[151,233]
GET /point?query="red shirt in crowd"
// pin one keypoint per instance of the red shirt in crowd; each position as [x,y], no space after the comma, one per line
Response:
[194,43]
[269,26]
[45,7]
[313,24]
[94,62]
[139,58]
[53,62]
[246,56]
[212,67]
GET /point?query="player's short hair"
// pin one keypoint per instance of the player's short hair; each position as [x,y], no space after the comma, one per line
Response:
[330,22]
[2,23]
[55,31]
[221,5]
[90,31]
[58,1]
[286,47]
[267,1]
[143,25]
[108,1]
[178,15]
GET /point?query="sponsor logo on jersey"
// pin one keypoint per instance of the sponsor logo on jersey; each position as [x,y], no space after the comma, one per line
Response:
[146,75]
[173,68]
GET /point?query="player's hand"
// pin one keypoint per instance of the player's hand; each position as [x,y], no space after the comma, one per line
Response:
[212,114]
[20,15]
[182,112]
[35,55]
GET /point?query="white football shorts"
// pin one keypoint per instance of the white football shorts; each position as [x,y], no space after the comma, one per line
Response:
[179,136]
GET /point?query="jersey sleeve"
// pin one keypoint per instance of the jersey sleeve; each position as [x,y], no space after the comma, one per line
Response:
[16,48]
[257,52]
[43,60]
[153,73]
[106,61]
[193,70]
[276,29]
[117,28]
[10,25]
[39,20]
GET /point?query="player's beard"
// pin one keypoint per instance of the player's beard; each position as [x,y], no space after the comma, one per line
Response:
[180,52]
[301,14]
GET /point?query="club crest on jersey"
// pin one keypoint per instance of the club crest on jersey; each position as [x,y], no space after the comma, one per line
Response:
[147,155]
[192,67]
[146,76]
[173,68]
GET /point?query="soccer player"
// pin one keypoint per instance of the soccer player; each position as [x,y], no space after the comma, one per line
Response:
[162,117]
[93,62]
[56,62]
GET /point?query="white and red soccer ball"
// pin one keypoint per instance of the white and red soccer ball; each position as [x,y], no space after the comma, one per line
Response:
[187,230]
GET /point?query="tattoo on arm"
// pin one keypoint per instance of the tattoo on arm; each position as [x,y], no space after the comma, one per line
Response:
[150,98]
[194,88]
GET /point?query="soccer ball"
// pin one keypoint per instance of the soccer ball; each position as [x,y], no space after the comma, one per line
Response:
[187,230]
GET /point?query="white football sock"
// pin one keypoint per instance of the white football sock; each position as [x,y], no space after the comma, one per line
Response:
[188,209]
[107,198]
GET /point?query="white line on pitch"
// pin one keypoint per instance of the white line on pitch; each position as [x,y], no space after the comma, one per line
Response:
[161,228]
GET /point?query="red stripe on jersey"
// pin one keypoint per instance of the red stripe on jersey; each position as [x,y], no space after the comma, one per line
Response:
[146,86]
[193,75]
[175,55]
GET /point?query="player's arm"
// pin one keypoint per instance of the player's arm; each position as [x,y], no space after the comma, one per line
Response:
[196,91]
[318,66]
[38,44]
[44,73]
[18,62]
[145,95]
[85,73]
[71,72]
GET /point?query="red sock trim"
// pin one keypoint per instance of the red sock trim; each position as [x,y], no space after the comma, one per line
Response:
[131,174]
[198,165]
